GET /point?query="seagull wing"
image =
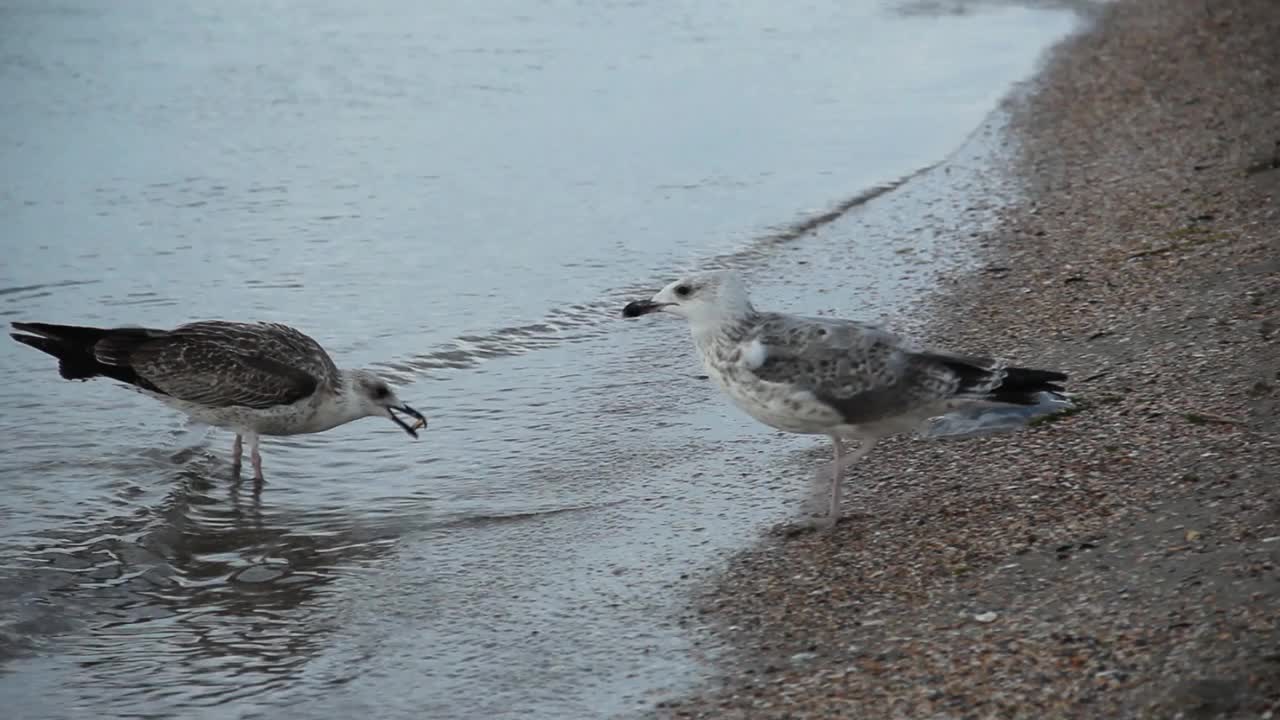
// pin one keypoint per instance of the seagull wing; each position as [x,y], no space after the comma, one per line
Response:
[862,371]
[224,364]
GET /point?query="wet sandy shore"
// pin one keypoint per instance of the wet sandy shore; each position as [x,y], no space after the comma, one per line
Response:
[1120,561]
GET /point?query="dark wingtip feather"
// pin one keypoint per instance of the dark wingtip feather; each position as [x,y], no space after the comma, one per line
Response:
[78,348]
[34,341]
[1029,378]
[1023,386]
[73,363]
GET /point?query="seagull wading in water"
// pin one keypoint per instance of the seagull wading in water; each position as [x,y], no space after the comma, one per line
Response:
[841,378]
[253,378]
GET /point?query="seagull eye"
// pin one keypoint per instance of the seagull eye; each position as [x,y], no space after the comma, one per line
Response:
[683,290]
[381,392]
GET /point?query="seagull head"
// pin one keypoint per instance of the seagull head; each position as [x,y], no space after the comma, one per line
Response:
[377,399]
[706,300]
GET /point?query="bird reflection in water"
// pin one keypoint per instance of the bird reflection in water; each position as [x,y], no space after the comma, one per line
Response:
[211,594]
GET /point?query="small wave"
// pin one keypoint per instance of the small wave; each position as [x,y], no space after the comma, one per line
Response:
[585,320]
[808,225]
[485,519]
[44,287]
[566,324]
[141,298]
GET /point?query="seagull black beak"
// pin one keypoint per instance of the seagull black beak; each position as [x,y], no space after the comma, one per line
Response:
[636,308]
[419,421]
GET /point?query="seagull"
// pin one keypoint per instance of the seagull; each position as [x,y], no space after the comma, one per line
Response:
[253,378]
[851,381]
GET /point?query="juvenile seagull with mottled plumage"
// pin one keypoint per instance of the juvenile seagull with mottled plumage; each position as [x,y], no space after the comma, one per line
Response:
[848,380]
[253,378]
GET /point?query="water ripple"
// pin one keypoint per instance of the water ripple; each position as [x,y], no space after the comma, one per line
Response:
[44,286]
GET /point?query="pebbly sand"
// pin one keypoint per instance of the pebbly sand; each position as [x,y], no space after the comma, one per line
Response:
[1122,561]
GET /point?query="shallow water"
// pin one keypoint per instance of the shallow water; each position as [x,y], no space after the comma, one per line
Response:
[463,197]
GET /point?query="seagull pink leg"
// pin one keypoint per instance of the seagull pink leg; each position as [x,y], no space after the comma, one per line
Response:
[256,457]
[842,461]
[237,449]
[837,473]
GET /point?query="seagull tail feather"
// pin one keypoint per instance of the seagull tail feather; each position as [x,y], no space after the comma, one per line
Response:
[85,352]
[991,382]
[73,346]
[1023,386]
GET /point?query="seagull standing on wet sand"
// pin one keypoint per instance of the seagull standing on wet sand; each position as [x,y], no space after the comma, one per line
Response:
[253,378]
[844,379]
